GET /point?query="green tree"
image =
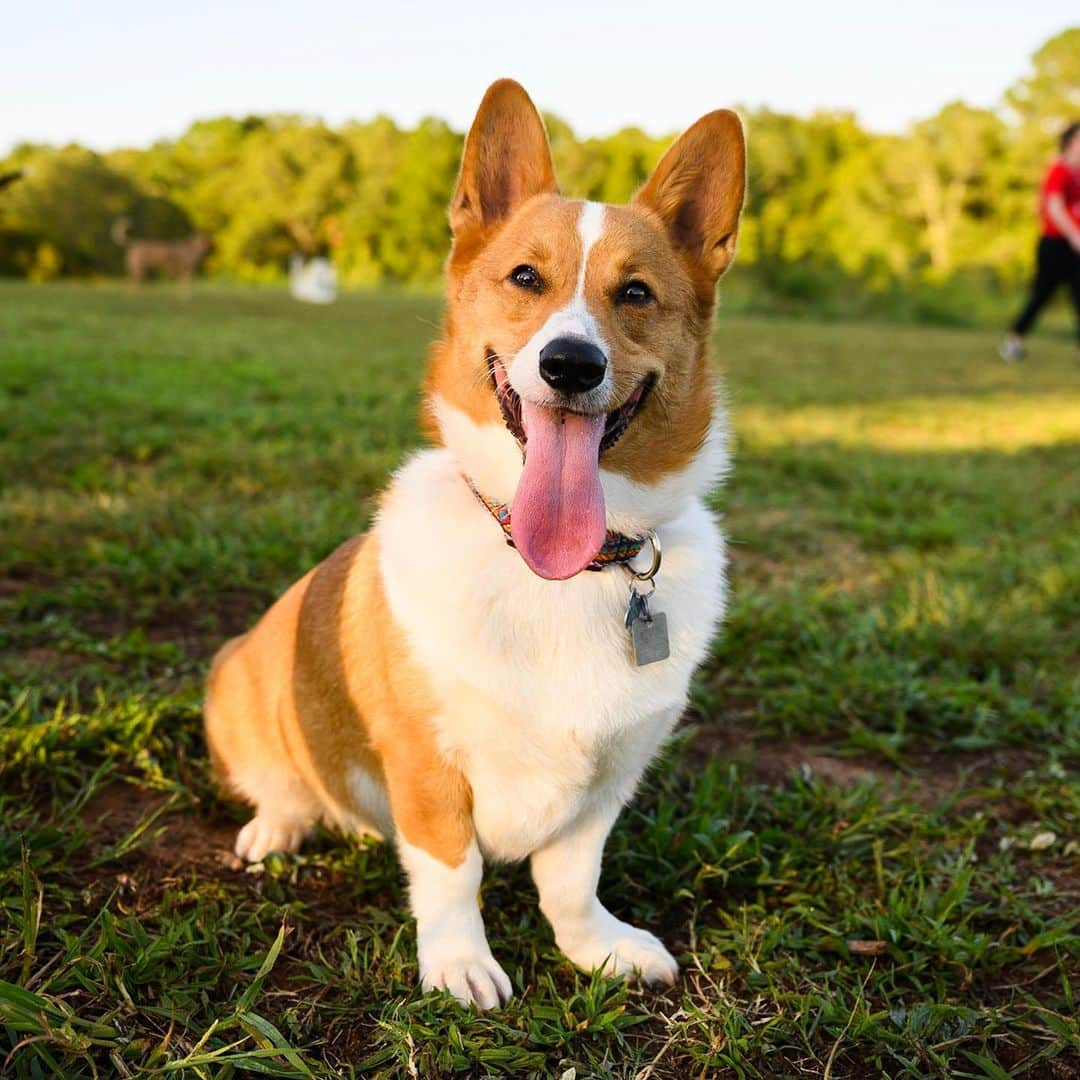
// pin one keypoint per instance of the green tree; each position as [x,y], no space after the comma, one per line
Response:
[65,205]
[940,178]
[1048,98]
[829,205]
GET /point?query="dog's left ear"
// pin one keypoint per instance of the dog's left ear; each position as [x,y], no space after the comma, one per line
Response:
[697,190]
[506,161]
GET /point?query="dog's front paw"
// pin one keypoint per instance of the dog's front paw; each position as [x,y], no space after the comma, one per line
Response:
[617,948]
[472,976]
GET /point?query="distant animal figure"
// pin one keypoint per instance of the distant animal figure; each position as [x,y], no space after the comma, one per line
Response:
[178,258]
[314,282]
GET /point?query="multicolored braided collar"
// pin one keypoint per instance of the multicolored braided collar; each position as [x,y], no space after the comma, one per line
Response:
[617,548]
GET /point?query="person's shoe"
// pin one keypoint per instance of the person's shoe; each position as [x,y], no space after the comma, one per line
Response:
[1011,349]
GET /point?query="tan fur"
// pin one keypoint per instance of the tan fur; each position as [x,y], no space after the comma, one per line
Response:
[487,312]
[505,162]
[180,259]
[325,681]
[697,192]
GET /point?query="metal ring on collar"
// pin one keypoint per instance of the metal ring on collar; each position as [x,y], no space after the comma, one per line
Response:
[657,558]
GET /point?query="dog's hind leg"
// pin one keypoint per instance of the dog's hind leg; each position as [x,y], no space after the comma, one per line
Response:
[251,760]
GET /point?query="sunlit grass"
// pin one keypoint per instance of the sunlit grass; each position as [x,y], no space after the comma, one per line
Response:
[886,736]
[1003,422]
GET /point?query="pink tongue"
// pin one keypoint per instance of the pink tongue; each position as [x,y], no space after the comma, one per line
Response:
[557,519]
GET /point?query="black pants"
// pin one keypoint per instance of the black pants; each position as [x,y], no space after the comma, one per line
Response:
[1056,264]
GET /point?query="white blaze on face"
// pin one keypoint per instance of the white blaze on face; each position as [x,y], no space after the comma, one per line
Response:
[573,320]
[590,226]
[558,517]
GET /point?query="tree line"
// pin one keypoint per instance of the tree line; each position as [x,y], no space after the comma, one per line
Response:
[952,196]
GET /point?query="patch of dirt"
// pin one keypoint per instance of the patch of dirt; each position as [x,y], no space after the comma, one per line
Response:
[947,768]
[198,626]
[232,612]
[772,760]
[10,587]
[930,778]
[23,577]
[1064,1067]
[186,842]
[44,660]
[773,763]
[187,839]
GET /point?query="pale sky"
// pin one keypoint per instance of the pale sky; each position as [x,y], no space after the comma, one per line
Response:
[119,73]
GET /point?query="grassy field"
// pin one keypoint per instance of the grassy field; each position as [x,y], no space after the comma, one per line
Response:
[864,845]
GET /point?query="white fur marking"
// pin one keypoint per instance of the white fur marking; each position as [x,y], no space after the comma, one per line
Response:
[373,816]
[451,945]
[590,226]
[263,834]
[285,809]
[573,320]
[566,872]
[586,720]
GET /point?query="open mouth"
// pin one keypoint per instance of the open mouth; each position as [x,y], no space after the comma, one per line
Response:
[615,423]
[558,515]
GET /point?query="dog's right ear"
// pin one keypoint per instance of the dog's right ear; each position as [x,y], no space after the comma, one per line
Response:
[506,161]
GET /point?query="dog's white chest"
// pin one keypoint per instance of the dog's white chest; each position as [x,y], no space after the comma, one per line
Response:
[529,773]
[544,707]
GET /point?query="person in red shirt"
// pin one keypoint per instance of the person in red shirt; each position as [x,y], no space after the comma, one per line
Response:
[1058,257]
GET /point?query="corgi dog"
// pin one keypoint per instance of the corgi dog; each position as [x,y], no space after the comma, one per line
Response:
[461,679]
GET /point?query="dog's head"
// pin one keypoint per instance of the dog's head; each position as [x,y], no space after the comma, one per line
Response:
[573,379]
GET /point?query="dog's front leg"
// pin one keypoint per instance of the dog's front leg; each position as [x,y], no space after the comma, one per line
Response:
[566,872]
[452,948]
[436,843]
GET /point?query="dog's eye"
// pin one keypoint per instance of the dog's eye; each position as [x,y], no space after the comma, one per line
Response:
[525,277]
[634,293]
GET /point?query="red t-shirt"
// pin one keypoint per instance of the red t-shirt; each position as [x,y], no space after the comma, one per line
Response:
[1059,180]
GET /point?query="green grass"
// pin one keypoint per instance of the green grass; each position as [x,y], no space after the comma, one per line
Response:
[879,750]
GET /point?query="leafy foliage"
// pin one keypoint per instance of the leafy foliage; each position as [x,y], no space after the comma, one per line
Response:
[832,211]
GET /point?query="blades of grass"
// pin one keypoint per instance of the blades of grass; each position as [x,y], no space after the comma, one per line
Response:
[60,962]
[247,999]
[25,1010]
[262,1031]
[90,788]
[262,1060]
[991,1070]
[38,1043]
[31,914]
[205,1037]
[28,1012]
[137,836]
[958,890]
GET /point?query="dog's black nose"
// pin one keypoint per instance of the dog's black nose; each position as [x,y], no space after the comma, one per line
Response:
[572,365]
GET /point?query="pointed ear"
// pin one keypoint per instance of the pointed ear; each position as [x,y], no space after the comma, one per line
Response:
[697,190]
[506,161]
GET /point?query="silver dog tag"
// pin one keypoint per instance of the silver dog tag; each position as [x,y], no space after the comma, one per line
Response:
[650,640]
[648,630]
